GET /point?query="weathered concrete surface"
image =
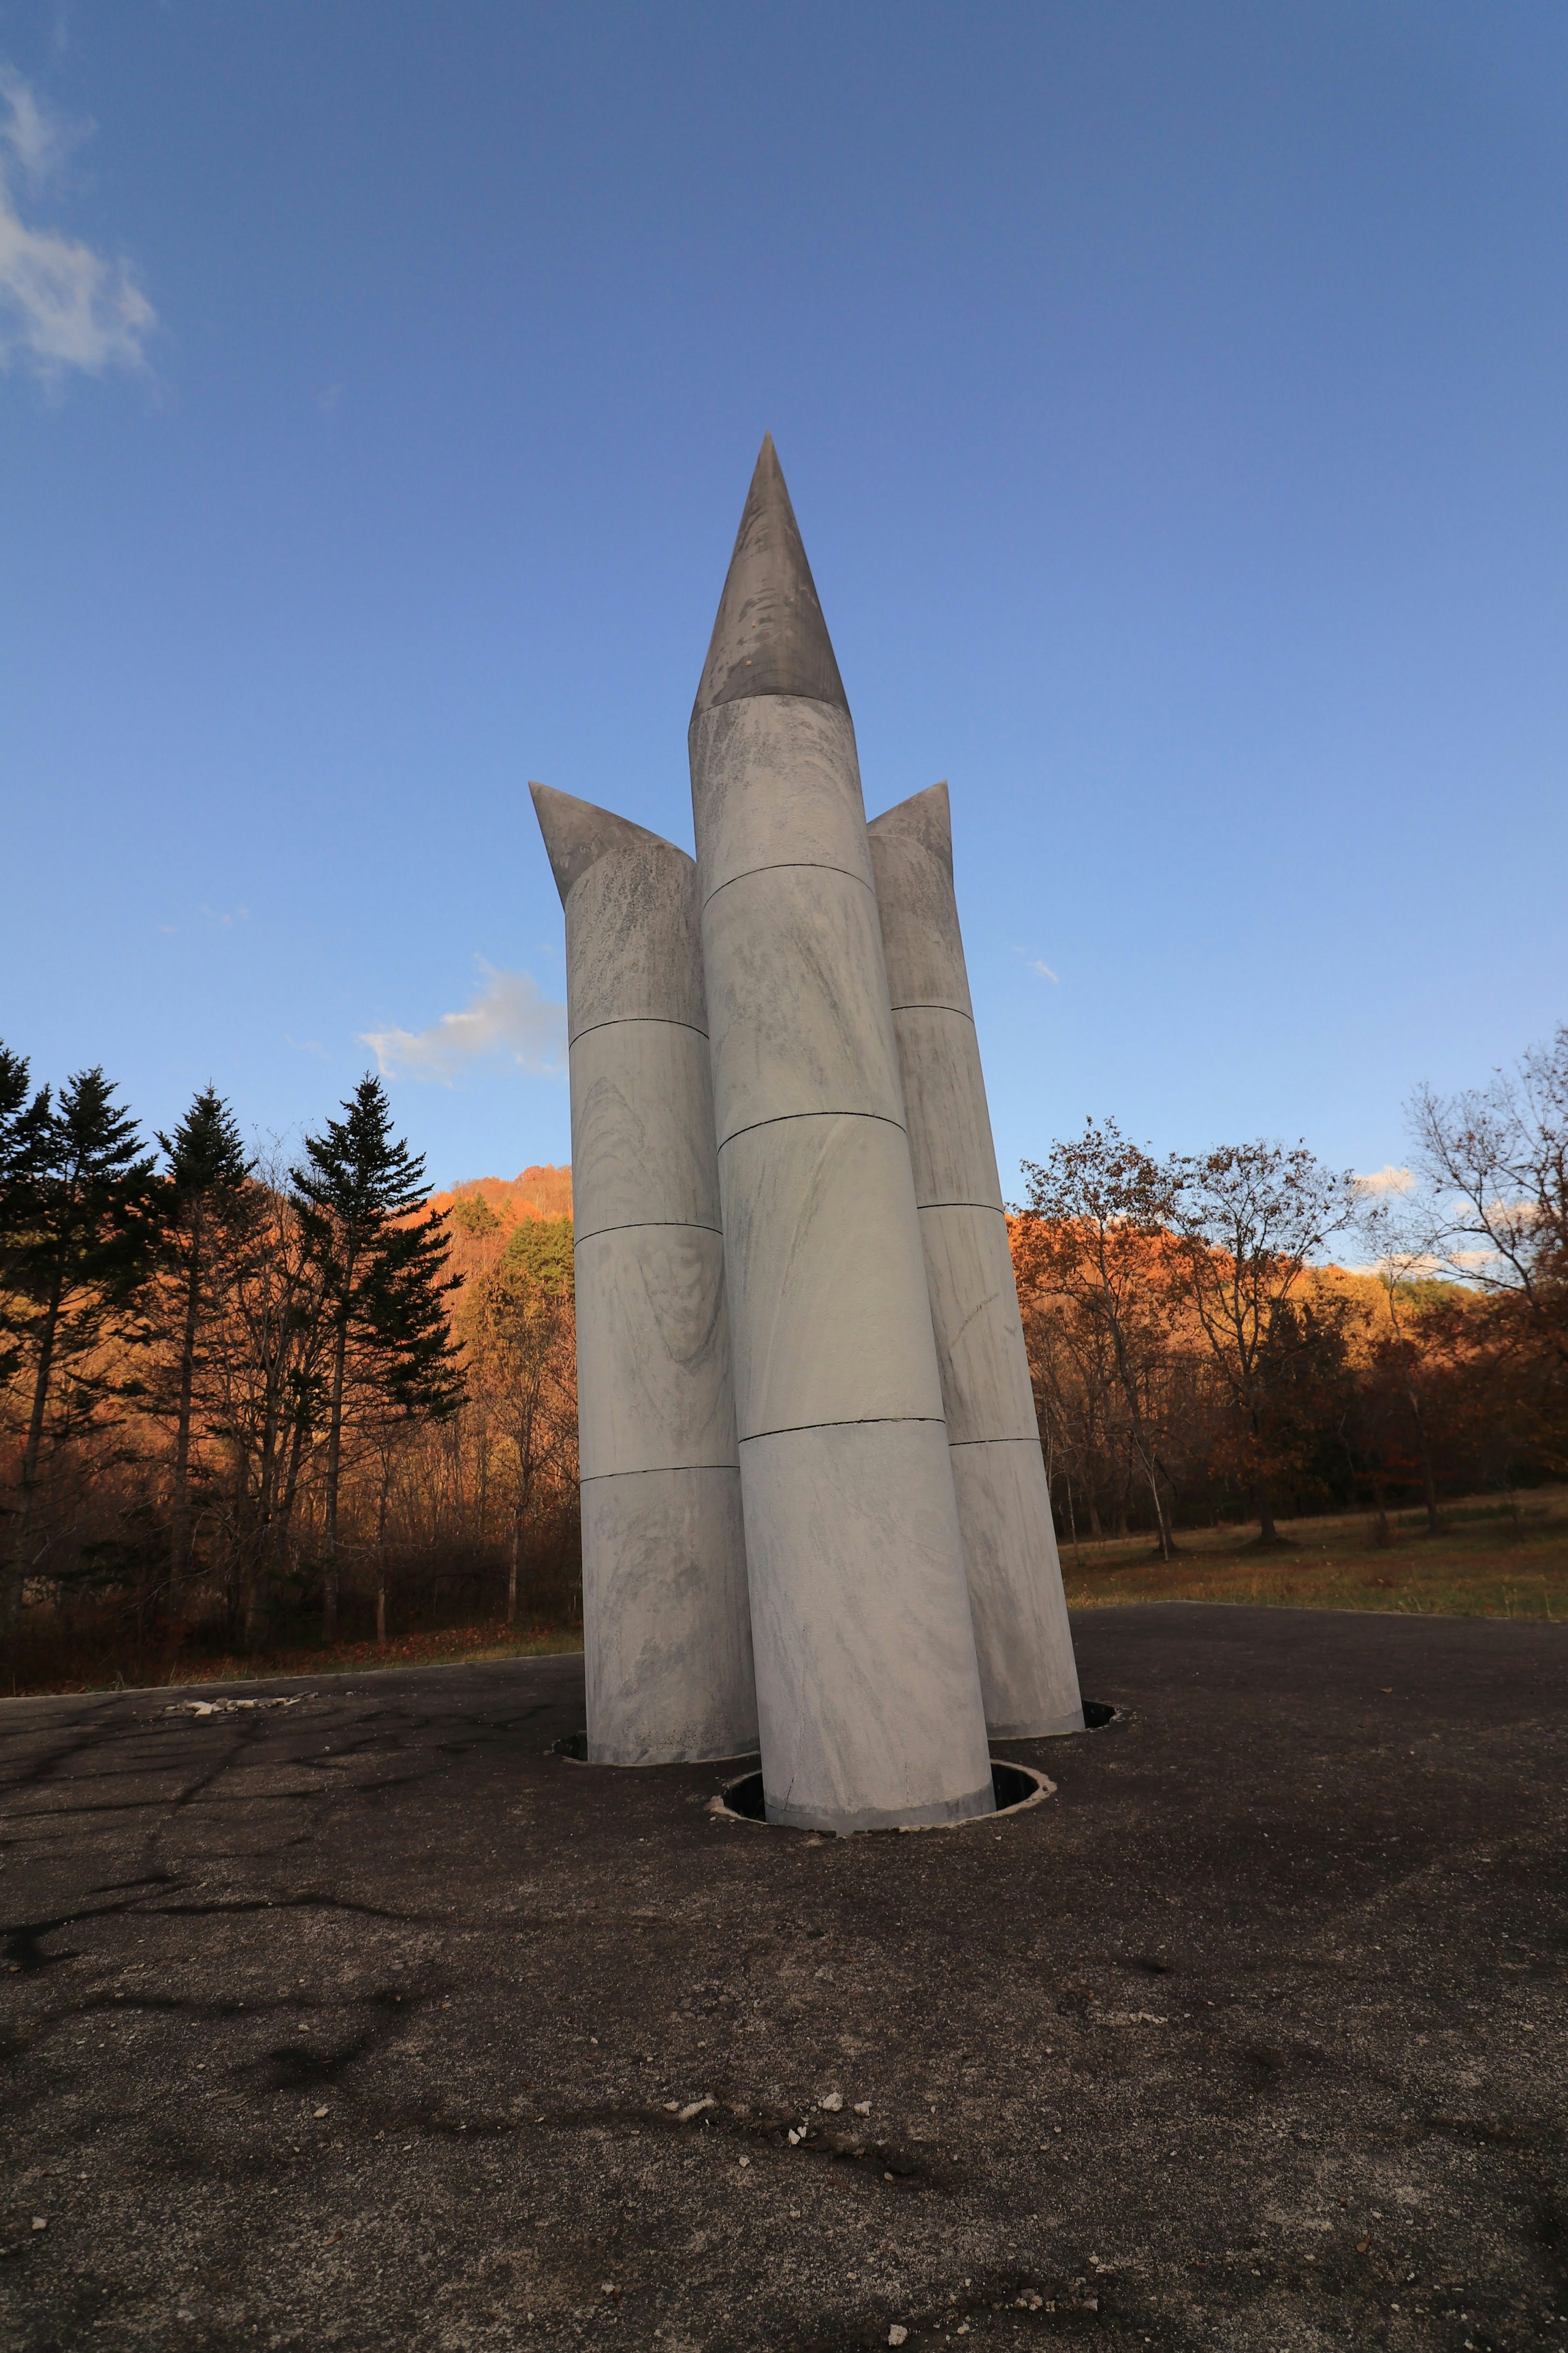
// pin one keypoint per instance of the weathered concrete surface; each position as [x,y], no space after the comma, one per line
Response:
[665,1613]
[770,636]
[1325,1851]
[1021,1635]
[869,1701]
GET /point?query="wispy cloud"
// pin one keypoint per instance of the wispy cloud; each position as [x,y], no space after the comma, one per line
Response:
[508,1019]
[62,305]
[1385,1180]
[1037,965]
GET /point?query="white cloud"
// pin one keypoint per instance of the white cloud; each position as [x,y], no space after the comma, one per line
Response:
[1388,1179]
[61,305]
[508,1018]
[1033,964]
[37,140]
[1406,1265]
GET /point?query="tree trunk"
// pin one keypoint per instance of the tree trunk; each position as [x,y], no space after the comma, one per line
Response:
[16,1583]
[334,1466]
[1266,1532]
[1161,1530]
[380,1552]
[180,1532]
[1428,1482]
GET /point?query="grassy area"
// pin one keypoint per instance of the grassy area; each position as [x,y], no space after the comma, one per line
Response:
[1487,1560]
[449,1646]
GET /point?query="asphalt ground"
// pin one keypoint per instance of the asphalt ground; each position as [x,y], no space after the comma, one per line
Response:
[369,2022]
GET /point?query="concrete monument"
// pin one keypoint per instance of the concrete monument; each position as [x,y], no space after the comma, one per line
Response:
[666,1617]
[1021,1632]
[796,1305]
[867,1690]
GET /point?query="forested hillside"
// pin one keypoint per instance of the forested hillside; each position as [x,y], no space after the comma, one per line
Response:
[250,1398]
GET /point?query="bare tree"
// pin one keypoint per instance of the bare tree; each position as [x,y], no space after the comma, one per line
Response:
[520,1331]
[1098,1220]
[1249,1217]
[262,1390]
[1498,1156]
[1396,1227]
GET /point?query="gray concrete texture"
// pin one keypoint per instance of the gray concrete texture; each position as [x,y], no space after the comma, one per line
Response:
[1021,1633]
[664,1602]
[870,1707]
[371,2023]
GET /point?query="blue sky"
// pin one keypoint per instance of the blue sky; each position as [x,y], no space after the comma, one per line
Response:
[1174,400]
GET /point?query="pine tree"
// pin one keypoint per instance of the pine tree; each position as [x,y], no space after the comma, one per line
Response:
[207,1215]
[383,1271]
[83,1208]
[23,1127]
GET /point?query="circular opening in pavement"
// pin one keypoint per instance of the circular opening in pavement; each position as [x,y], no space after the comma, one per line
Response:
[1097,1714]
[1016,1786]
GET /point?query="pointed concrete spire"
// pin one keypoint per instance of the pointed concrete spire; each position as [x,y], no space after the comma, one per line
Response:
[1016,1607]
[770,636]
[577,835]
[667,1633]
[925,817]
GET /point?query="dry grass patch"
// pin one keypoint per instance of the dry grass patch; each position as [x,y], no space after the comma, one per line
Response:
[1488,1559]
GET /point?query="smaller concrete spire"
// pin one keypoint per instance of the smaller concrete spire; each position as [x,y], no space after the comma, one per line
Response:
[577,835]
[770,636]
[925,817]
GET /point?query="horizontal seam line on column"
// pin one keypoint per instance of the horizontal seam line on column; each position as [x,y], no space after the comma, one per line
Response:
[866,1421]
[623,1020]
[779,1117]
[652,1471]
[635,1225]
[791,865]
[996,1442]
[991,1206]
[924,1005]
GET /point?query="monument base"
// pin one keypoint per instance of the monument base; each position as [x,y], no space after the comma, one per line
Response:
[1014,1788]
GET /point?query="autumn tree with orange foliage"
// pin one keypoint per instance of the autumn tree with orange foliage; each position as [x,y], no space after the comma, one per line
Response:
[1093,1238]
[1248,1220]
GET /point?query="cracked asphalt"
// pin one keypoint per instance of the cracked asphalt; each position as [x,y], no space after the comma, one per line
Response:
[369,2022]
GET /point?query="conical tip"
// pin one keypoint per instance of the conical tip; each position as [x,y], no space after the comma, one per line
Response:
[577,835]
[770,636]
[925,817]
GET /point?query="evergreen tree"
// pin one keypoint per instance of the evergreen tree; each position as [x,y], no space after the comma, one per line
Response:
[542,1247]
[207,1215]
[384,1281]
[86,1232]
[23,1127]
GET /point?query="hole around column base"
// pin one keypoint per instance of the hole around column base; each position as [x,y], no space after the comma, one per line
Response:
[1016,1788]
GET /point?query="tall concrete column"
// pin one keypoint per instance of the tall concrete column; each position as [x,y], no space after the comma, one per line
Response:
[867,1690]
[666,1617]
[1021,1631]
